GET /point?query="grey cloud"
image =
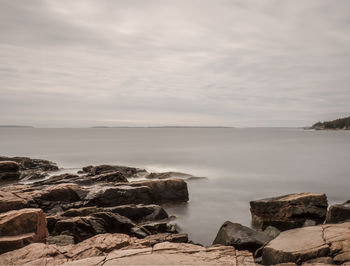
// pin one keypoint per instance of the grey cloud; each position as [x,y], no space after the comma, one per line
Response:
[160,62]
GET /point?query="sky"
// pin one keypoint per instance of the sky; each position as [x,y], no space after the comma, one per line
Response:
[233,63]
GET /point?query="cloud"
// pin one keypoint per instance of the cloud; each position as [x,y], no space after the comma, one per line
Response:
[197,62]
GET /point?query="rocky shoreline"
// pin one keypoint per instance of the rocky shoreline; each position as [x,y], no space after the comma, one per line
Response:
[108,215]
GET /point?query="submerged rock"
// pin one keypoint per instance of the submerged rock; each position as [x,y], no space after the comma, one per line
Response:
[338,213]
[240,237]
[309,243]
[289,211]
[22,227]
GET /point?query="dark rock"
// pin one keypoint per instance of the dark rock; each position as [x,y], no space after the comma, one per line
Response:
[20,228]
[60,240]
[240,237]
[9,166]
[58,179]
[98,223]
[136,213]
[9,170]
[109,177]
[166,237]
[272,232]
[165,190]
[338,213]
[27,175]
[320,261]
[28,163]
[102,169]
[120,195]
[289,211]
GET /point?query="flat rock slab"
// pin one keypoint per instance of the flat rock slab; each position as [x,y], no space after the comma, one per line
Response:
[20,228]
[119,249]
[289,211]
[308,243]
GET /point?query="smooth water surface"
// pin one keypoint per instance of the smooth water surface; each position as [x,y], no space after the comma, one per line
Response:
[241,164]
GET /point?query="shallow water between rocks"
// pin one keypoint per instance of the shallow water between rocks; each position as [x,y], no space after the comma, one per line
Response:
[241,164]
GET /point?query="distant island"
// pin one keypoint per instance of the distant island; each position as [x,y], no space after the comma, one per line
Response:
[341,123]
[161,127]
[15,126]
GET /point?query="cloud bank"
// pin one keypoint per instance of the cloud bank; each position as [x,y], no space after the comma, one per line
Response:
[186,62]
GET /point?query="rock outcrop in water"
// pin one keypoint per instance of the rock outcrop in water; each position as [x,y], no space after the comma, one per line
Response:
[342,123]
[102,217]
[87,213]
[289,211]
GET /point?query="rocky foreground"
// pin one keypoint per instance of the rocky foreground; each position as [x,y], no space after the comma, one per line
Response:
[112,215]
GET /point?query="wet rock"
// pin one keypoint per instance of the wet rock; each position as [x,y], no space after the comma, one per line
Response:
[165,190]
[27,175]
[119,195]
[28,163]
[137,213]
[338,213]
[319,261]
[240,237]
[102,169]
[109,177]
[9,170]
[97,223]
[289,211]
[20,228]
[272,232]
[309,243]
[58,179]
[60,240]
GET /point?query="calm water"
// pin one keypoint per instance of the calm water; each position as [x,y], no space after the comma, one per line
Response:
[241,164]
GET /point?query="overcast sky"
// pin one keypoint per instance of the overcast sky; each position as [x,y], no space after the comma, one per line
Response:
[180,62]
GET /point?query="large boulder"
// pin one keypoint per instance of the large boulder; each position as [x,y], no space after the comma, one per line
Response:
[338,213]
[289,211]
[9,170]
[119,249]
[22,227]
[165,190]
[309,243]
[240,237]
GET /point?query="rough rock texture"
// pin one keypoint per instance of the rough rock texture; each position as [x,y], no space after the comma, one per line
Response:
[119,195]
[102,169]
[308,243]
[289,211]
[110,177]
[28,163]
[338,213]
[117,249]
[20,228]
[165,190]
[136,213]
[9,170]
[84,227]
[241,237]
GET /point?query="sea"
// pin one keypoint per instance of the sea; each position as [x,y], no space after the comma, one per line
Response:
[240,164]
